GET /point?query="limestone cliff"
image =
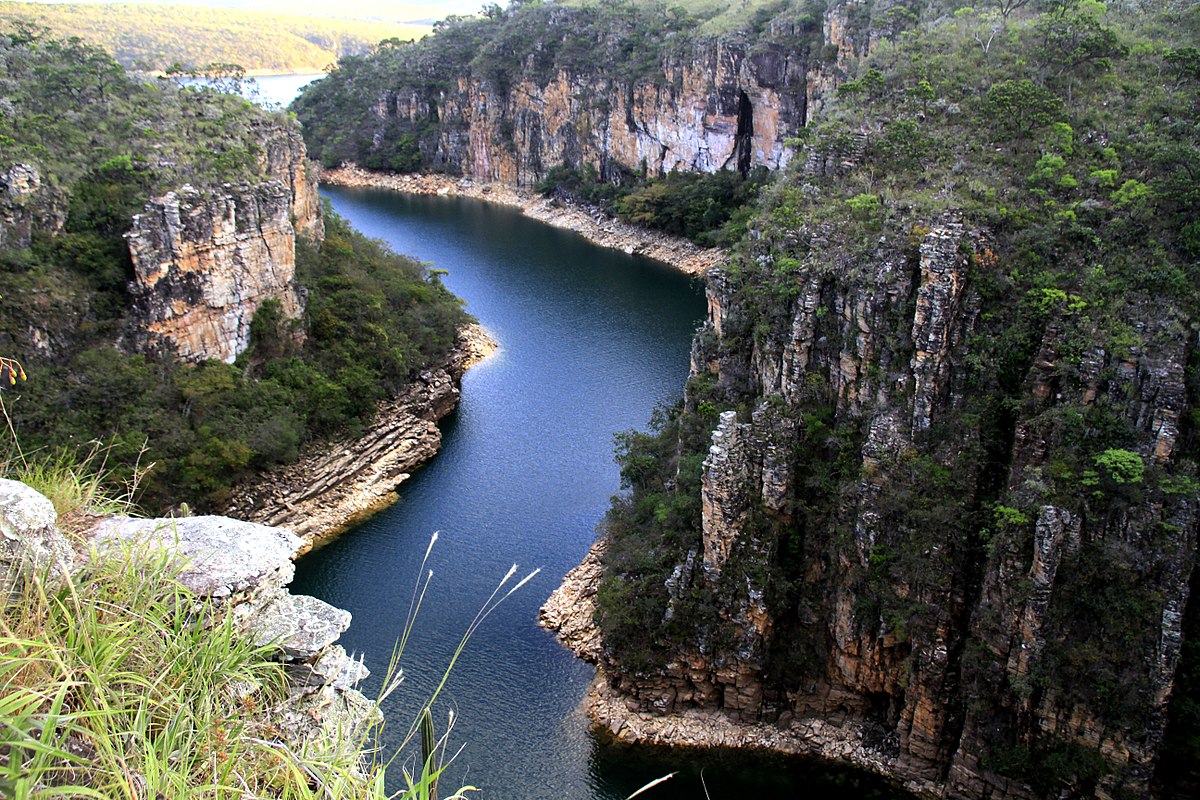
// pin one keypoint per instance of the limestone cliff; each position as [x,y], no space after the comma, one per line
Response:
[719,107]
[509,97]
[205,258]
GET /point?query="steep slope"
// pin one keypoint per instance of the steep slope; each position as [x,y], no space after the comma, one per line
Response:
[627,88]
[930,504]
[173,288]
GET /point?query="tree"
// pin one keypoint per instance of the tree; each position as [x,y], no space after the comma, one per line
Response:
[1074,39]
[1017,108]
[1006,7]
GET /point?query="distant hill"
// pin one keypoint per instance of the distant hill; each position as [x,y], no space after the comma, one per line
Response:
[157,36]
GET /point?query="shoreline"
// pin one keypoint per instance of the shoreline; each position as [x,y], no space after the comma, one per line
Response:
[338,483]
[588,222]
[569,614]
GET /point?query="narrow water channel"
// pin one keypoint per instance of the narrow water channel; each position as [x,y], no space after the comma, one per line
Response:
[591,341]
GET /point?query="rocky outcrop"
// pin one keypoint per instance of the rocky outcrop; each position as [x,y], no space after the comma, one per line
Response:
[203,265]
[30,542]
[944,607]
[205,259]
[623,90]
[720,106]
[336,484]
[569,612]
[236,570]
[283,157]
[28,205]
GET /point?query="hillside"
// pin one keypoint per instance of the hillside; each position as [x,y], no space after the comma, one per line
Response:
[172,287]
[155,37]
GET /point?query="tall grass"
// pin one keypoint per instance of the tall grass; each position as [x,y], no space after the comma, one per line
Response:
[112,686]
[73,483]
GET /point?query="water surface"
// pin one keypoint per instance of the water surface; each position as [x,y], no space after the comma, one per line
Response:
[591,341]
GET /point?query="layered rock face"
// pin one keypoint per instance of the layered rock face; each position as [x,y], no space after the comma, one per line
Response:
[205,258]
[893,581]
[720,107]
[508,110]
[335,484]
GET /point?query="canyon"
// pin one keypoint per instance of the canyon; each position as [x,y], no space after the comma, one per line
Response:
[929,504]
[908,547]
[508,112]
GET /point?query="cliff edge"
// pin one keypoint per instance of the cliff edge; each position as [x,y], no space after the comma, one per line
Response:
[930,503]
[235,574]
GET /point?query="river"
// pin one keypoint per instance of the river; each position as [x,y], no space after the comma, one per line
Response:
[591,340]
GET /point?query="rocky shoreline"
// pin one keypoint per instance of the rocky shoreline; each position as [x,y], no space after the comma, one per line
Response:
[569,613]
[589,222]
[336,484]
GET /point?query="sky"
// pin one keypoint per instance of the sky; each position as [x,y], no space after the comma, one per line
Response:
[401,10]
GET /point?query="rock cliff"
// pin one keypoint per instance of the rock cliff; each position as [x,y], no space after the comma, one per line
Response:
[912,591]
[205,258]
[621,89]
[719,107]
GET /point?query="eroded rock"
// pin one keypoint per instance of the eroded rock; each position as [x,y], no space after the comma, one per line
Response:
[31,546]
[222,559]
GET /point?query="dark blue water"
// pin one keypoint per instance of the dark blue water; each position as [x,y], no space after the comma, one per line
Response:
[590,341]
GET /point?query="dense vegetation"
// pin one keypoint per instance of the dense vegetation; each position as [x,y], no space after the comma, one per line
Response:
[155,37]
[372,321]
[1066,134]
[72,111]
[710,209]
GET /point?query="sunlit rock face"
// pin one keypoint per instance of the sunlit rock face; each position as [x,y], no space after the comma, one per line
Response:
[205,258]
[717,103]
[719,108]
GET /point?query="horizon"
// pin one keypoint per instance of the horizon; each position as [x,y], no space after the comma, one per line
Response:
[408,11]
